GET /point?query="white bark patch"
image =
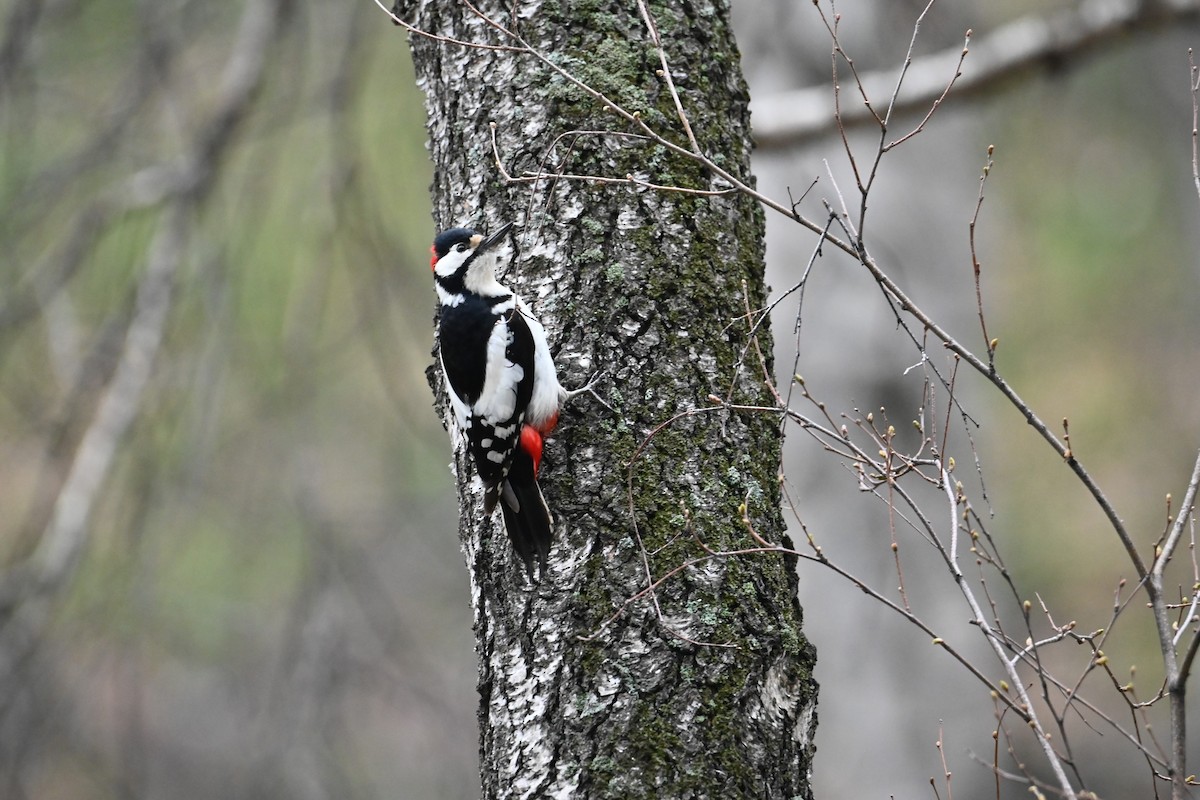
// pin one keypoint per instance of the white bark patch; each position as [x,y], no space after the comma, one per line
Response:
[629,219]
[608,684]
[563,559]
[779,699]
[519,706]
[685,625]
[804,726]
[569,207]
[528,9]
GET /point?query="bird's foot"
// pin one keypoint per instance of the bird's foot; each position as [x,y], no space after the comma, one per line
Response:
[589,388]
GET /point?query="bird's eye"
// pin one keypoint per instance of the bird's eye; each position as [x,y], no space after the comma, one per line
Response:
[461,247]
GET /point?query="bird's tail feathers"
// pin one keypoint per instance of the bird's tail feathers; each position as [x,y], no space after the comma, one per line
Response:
[526,515]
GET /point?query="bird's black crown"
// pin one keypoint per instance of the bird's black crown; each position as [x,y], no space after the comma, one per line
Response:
[448,238]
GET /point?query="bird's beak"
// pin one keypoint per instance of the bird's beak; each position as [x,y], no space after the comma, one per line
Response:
[493,239]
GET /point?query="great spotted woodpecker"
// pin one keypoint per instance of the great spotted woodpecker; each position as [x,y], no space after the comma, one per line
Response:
[502,383]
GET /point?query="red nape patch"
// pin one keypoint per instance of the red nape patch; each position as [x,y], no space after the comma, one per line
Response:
[433,261]
[531,443]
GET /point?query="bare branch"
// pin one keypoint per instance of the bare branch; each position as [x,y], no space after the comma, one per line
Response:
[1028,45]
[665,72]
[1194,81]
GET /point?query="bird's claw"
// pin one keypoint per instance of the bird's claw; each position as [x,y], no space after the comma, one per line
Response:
[589,388]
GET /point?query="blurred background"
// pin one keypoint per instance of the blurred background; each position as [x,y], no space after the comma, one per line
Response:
[232,564]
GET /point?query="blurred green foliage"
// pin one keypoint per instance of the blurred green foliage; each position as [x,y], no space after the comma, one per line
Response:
[275,544]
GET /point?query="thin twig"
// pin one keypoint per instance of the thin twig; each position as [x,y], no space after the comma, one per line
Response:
[1194,80]
[666,75]
[937,103]
[988,342]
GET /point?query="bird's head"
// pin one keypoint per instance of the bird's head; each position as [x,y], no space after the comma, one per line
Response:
[464,259]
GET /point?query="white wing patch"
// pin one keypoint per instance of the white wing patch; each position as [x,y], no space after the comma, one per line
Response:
[498,399]
[547,393]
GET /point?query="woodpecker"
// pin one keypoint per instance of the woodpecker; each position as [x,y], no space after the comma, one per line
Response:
[501,381]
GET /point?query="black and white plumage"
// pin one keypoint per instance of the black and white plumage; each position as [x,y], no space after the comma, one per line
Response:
[501,381]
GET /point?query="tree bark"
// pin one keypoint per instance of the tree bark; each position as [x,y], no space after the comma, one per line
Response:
[646,286]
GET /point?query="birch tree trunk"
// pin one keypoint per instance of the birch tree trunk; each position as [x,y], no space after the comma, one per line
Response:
[703,689]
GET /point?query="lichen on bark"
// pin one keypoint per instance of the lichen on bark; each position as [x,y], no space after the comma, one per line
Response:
[646,286]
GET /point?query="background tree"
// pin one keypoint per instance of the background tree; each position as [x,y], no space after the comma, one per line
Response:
[703,688]
[262,596]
